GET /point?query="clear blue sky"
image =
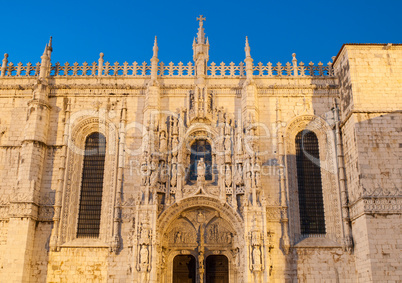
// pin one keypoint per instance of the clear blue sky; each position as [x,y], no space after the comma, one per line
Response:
[125,30]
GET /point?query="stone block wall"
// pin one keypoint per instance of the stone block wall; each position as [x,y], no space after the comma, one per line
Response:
[372,137]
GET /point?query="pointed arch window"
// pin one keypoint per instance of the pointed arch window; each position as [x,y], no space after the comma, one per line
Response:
[311,206]
[89,215]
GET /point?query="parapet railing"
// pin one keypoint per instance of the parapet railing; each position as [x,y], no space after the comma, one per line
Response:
[105,69]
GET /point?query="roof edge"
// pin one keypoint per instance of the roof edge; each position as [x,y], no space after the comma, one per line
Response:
[345,44]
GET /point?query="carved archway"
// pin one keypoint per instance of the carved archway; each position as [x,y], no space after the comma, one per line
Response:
[200,226]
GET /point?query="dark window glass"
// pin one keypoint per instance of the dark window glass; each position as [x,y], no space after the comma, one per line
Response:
[309,184]
[200,149]
[92,186]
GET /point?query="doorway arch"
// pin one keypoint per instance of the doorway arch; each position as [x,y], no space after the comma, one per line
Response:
[184,269]
[217,269]
[201,224]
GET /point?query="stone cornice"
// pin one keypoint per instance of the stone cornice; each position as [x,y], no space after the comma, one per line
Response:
[376,205]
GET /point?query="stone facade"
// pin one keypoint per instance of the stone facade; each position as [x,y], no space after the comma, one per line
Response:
[245,209]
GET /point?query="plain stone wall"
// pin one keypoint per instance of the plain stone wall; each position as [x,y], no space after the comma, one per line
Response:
[372,140]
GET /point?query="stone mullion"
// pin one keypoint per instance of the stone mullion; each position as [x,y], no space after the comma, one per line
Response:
[54,242]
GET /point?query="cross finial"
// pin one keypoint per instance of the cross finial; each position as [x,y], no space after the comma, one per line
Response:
[201,19]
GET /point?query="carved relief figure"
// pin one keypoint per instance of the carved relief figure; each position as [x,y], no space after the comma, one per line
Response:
[178,238]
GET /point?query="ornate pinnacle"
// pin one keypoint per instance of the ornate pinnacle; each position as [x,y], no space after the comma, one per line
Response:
[247,49]
[201,34]
[50,44]
[155,49]
[45,52]
[49,48]
[4,65]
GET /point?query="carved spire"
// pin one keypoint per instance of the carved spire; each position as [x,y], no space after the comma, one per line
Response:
[154,63]
[45,63]
[4,65]
[200,50]
[155,49]
[49,49]
[201,34]
[249,62]
[247,49]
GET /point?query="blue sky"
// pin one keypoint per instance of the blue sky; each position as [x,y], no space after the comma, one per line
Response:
[125,30]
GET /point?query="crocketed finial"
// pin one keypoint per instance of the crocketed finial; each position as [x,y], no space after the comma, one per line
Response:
[50,44]
[155,49]
[247,48]
[201,34]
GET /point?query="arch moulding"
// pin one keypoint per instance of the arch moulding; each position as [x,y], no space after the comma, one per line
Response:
[225,211]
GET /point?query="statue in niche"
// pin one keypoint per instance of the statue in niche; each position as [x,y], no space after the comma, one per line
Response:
[144,172]
[154,178]
[210,103]
[163,143]
[256,258]
[238,177]
[228,179]
[144,255]
[228,150]
[191,100]
[173,180]
[201,170]
[175,146]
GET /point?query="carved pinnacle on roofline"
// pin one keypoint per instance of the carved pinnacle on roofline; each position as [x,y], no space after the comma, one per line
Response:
[155,49]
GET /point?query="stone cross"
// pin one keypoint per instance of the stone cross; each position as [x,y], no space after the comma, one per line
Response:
[201,19]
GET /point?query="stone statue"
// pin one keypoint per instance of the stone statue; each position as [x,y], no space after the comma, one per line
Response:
[201,170]
[144,255]
[228,176]
[248,180]
[163,143]
[256,258]
[173,180]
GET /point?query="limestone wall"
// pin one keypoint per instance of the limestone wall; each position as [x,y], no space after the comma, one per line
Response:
[368,85]
[372,135]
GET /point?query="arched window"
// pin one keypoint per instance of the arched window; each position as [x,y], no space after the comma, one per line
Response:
[311,204]
[92,186]
[200,149]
